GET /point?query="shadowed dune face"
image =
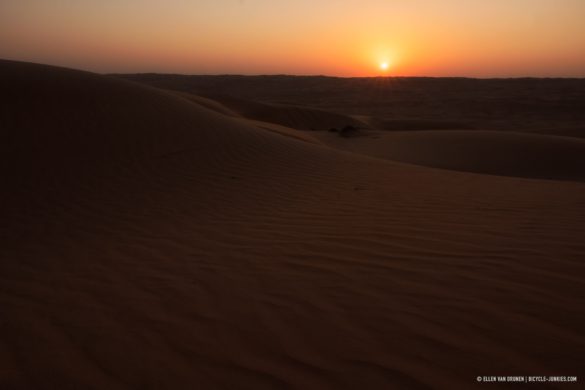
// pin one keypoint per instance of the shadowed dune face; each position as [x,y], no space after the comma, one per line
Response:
[150,242]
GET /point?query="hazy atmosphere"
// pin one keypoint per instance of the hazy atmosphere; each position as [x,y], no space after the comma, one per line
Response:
[474,38]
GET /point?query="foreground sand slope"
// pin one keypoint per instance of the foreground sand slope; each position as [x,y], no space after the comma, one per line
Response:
[150,243]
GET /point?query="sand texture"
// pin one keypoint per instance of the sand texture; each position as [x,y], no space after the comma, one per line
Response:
[154,239]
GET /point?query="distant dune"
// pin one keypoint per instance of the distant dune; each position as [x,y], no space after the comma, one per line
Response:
[419,124]
[207,103]
[297,117]
[491,152]
[158,241]
[547,105]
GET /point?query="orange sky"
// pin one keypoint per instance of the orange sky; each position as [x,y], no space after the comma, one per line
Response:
[477,38]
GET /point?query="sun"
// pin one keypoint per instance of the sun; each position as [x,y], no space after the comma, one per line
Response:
[384,66]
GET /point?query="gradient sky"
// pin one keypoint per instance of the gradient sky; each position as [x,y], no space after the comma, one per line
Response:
[477,38]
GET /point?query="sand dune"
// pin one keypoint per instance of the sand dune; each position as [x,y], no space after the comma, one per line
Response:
[207,103]
[275,116]
[296,117]
[490,152]
[555,106]
[149,242]
[419,124]
[504,153]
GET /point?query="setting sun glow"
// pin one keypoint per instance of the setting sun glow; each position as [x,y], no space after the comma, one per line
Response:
[304,37]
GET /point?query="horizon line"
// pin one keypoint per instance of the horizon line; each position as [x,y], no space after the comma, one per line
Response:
[337,77]
[387,76]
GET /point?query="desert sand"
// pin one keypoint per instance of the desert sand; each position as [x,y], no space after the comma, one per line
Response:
[162,237]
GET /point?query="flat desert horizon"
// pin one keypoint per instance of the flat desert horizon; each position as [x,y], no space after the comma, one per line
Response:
[163,229]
